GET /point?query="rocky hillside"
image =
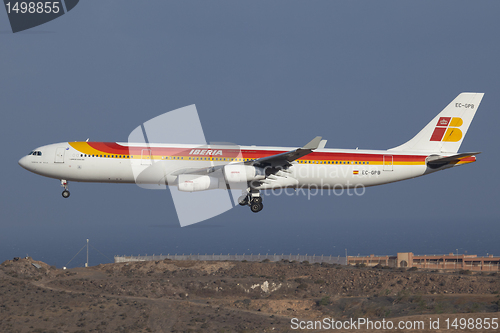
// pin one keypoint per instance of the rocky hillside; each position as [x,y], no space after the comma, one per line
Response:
[193,296]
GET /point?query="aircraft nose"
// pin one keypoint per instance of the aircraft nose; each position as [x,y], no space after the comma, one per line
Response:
[24,162]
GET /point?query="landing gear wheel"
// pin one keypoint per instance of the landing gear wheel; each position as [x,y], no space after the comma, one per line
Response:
[65,194]
[243,200]
[256,207]
[257,200]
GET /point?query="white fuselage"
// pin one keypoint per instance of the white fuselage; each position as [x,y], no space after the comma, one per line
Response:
[162,163]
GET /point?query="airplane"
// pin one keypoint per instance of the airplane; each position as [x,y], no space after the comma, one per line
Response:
[253,169]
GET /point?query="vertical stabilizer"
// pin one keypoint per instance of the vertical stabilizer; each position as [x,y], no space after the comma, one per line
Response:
[445,133]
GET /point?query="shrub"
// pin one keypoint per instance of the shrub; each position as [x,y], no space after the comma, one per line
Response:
[302,286]
[324,301]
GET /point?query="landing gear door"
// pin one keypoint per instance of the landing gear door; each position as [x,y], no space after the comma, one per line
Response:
[388,163]
[59,155]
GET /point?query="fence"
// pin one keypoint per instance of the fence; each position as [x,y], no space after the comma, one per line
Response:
[237,257]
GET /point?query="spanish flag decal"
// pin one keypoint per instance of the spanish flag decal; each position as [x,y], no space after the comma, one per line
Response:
[355,172]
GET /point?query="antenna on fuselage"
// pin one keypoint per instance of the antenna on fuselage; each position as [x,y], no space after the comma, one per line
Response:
[87,140]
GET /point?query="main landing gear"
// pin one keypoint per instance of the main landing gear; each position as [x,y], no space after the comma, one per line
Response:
[252,199]
[64,184]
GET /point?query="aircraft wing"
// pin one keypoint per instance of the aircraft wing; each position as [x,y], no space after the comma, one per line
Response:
[438,161]
[197,171]
[284,159]
[279,160]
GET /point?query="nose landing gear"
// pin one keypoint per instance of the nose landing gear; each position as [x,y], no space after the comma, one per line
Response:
[65,193]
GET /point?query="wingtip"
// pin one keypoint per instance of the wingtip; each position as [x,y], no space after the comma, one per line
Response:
[314,143]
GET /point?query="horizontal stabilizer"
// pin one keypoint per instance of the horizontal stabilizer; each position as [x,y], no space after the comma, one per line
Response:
[435,161]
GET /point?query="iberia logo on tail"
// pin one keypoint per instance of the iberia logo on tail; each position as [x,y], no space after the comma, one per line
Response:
[447,129]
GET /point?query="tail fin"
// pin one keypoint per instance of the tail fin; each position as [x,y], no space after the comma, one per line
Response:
[447,130]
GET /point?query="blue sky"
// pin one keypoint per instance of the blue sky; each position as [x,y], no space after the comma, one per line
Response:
[359,73]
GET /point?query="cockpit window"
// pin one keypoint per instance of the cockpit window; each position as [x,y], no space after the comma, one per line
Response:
[39,153]
[35,153]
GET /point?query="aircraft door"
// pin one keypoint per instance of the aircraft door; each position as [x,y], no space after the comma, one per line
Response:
[388,163]
[146,157]
[59,155]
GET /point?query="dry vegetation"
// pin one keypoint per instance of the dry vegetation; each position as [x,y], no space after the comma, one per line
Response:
[192,296]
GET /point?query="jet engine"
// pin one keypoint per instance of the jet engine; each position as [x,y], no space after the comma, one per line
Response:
[193,183]
[239,173]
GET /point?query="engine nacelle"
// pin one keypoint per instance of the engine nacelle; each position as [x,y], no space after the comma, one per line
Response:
[193,183]
[239,173]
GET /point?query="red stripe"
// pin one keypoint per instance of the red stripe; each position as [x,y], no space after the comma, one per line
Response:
[438,133]
[117,149]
